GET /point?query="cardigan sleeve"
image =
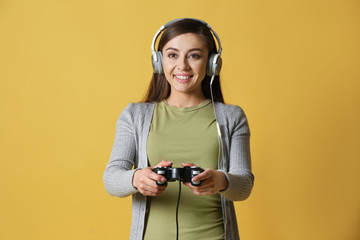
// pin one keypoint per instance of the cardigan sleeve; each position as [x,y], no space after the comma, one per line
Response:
[119,171]
[239,175]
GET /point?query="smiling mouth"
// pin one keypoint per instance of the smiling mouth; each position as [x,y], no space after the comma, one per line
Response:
[183,77]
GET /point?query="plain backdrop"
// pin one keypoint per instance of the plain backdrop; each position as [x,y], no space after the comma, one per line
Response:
[68,68]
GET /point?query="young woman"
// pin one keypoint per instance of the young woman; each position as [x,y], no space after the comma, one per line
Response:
[176,126]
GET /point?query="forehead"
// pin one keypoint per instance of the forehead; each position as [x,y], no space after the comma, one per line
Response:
[186,41]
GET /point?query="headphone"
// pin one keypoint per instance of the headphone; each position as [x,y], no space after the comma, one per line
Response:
[214,61]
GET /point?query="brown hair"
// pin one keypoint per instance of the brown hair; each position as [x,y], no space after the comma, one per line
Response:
[159,88]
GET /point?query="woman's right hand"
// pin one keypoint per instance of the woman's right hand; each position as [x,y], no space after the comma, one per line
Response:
[145,180]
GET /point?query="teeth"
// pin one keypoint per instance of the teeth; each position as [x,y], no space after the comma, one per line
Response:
[183,77]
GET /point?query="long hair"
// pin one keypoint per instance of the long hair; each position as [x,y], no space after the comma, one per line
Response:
[159,88]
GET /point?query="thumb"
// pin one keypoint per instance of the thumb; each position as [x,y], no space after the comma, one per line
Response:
[201,176]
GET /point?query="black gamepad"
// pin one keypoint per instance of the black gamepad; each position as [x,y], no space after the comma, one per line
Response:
[184,174]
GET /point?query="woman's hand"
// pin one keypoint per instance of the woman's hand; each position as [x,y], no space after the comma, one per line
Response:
[145,180]
[212,181]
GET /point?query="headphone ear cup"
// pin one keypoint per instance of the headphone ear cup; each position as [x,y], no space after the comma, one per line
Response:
[214,65]
[158,65]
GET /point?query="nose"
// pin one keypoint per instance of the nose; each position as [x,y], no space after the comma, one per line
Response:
[183,63]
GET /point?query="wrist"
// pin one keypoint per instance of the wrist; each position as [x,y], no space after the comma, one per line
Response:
[224,182]
[134,178]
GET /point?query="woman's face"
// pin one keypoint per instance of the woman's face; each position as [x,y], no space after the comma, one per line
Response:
[185,61]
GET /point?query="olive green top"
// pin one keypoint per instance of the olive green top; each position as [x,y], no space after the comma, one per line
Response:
[184,135]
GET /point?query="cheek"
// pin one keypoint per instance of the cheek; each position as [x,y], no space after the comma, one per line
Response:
[168,68]
[168,65]
[201,68]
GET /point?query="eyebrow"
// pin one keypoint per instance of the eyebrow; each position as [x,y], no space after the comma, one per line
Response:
[191,50]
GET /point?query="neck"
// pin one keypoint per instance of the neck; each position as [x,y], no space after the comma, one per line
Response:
[184,100]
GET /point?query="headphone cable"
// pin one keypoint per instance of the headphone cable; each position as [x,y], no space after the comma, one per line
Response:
[177,211]
[221,143]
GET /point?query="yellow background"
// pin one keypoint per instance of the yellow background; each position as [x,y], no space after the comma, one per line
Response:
[68,68]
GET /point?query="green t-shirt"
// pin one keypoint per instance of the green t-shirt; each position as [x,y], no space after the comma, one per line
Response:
[184,135]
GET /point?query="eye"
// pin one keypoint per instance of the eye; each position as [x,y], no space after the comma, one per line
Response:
[195,55]
[171,55]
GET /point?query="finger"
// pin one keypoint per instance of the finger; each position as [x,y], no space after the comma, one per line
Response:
[202,187]
[151,193]
[164,163]
[151,188]
[187,164]
[205,186]
[205,189]
[188,184]
[202,178]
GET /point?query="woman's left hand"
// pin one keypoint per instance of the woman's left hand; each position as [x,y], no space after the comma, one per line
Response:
[212,181]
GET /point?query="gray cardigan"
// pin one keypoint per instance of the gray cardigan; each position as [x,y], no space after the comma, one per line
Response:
[129,153]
